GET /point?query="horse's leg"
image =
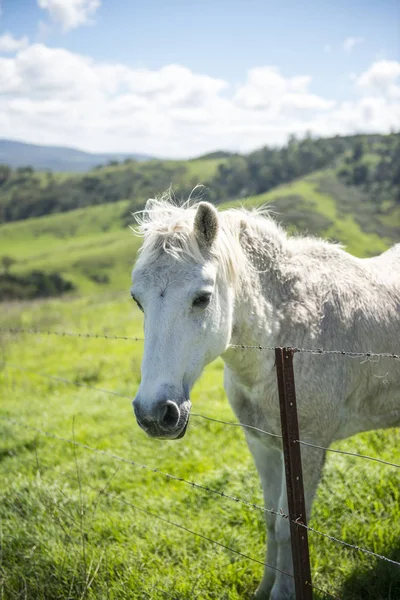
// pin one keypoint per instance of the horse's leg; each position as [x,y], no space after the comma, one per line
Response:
[312,463]
[268,460]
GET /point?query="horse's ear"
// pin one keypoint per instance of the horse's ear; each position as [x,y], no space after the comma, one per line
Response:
[206,224]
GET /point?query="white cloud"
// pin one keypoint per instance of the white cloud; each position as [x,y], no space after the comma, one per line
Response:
[8,43]
[366,115]
[267,90]
[350,42]
[381,79]
[70,14]
[54,96]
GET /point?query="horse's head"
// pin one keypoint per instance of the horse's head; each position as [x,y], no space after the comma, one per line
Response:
[186,298]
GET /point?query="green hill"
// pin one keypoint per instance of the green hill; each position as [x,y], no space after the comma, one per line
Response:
[321,205]
[354,199]
[370,163]
[26,193]
[86,246]
[94,248]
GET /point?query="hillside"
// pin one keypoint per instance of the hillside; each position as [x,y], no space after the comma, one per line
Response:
[20,154]
[26,193]
[86,246]
[94,248]
[320,204]
[370,164]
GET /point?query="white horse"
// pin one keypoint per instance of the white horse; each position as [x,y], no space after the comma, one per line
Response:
[206,280]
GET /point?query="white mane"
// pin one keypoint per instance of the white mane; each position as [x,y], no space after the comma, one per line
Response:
[169,227]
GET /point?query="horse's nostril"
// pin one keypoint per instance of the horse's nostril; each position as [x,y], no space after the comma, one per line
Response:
[169,414]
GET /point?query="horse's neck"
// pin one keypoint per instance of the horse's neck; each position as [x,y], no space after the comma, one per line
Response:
[256,317]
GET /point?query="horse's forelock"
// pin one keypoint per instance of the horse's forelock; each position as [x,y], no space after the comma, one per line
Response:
[169,228]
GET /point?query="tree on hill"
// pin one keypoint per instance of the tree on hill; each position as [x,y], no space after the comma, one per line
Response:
[7,262]
[358,151]
[5,173]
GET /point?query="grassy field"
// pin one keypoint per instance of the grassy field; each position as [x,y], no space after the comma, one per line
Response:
[69,526]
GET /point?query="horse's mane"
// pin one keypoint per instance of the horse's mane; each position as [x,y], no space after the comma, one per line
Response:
[167,226]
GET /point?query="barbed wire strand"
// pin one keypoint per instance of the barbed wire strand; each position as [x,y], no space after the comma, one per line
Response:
[118,394]
[379,460]
[235,424]
[106,336]
[321,351]
[72,442]
[197,415]
[354,546]
[236,499]
[367,354]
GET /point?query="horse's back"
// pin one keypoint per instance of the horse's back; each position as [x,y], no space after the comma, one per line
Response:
[387,263]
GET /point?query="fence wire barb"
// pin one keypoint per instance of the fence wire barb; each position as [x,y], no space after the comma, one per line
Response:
[247,503]
[17,330]
[196,415]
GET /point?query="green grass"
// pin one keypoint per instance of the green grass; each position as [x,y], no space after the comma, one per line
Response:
[77,244]
[62,538]
[204,169]
[49,232]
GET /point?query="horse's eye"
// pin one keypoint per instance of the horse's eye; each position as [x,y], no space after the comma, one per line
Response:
[140,307]
[202,300]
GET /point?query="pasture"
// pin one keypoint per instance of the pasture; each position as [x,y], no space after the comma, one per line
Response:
[69,528]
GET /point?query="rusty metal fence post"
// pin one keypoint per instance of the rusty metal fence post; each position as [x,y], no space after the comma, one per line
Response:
[294,473]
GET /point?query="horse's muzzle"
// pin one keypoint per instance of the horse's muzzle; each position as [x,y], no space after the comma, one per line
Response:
[166,420]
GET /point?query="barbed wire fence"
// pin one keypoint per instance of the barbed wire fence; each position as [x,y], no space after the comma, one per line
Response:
[291,445]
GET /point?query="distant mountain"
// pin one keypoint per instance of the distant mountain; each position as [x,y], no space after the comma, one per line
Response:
[55,158]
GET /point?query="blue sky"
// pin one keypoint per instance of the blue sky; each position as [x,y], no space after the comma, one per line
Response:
[332,43]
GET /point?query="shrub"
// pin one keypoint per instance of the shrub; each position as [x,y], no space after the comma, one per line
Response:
[35,284]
